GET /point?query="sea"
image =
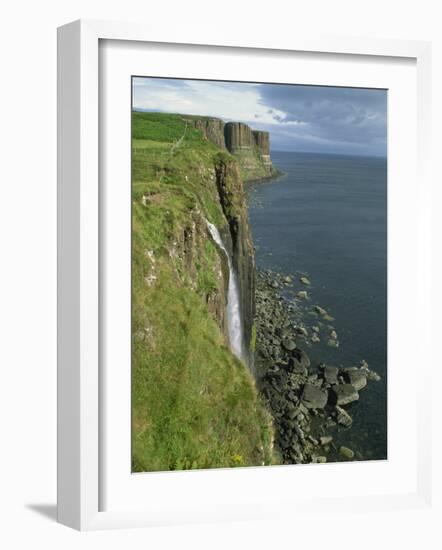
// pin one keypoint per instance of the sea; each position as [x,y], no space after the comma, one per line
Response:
[326,218]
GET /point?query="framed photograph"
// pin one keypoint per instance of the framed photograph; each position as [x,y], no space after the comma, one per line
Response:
[243,234]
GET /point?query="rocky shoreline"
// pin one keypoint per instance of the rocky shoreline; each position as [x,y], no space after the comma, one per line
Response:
[276,174]
[307,401]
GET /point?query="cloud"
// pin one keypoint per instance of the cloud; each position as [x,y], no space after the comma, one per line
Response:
[226,100]
[299,118]
[335,119]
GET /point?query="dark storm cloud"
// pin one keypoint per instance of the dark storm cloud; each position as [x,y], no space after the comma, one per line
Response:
[319,118]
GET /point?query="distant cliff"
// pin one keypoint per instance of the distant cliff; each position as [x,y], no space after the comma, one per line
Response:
[250,147]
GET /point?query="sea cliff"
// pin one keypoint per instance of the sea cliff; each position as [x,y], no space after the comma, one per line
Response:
[251,148]
[195,405]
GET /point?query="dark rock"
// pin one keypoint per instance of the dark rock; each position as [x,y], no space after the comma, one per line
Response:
[314,397]
[320,310]
[373,376]
[343,418]
[292,414]
[303,409]
[297,367]
[370,374]
[346,452]
[299,432]
[332,343]
[302,331]
[344,394]
[299,356]
[331,375]
[289,344]
[356,378]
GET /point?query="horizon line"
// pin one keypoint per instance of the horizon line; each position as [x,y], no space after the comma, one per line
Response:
[143,110]
[331,154]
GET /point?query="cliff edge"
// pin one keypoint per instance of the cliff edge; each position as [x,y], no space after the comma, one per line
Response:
[195,405]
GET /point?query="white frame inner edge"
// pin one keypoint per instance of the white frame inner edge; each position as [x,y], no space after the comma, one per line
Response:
[79,470]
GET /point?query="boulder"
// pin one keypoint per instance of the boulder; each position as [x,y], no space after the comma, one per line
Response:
[289,344]
[325,439]
[302,295]
[298,368]
[346,452]
[331,375]
[370,374]
[373,376]
[356,378]
[320,310]
[281,332]
[305,280]
[302,331]
[343,418]
[319,460]
[301,357]
[292,413]
[344,394]
[314,397]
[332,343]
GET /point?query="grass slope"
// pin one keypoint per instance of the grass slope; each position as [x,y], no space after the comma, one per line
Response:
[194,405]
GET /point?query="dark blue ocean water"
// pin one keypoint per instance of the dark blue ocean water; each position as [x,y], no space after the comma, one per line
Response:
[327,218]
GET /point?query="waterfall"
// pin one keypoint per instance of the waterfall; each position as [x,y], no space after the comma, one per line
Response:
[233,301]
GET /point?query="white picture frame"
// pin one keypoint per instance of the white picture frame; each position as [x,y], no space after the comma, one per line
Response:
[79,265]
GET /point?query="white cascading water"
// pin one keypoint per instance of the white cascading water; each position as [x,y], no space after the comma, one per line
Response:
[234,323]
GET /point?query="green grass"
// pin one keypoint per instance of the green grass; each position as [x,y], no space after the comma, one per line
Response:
[194,405]
[163,127]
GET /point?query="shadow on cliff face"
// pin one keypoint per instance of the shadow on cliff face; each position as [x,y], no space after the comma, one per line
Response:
[239,239]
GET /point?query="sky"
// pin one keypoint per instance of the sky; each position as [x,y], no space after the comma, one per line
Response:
[317,119]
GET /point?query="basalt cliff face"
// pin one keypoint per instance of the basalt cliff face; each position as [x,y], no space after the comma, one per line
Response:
[251,148]
[249,160]
[238,236]
[187,174]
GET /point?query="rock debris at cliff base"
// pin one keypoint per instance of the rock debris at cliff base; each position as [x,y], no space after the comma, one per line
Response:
[306,401]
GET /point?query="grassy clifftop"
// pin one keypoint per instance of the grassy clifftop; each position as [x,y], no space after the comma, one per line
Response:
[194,404]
